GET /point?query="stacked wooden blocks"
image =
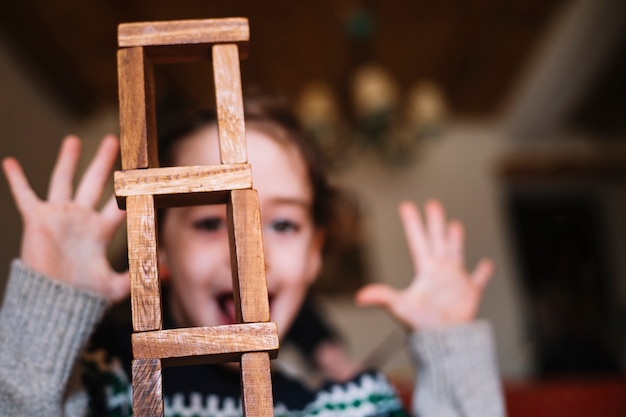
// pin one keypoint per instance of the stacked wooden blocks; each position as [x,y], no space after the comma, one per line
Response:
[142,187]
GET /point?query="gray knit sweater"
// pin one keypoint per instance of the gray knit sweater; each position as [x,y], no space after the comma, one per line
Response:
[44,326]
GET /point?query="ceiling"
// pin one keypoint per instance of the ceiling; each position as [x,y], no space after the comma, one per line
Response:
[474,49]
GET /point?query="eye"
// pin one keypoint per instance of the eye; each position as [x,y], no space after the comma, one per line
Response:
[285,226]
[209,224]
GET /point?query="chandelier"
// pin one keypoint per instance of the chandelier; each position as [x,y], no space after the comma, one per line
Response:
[378,119]
[372,114]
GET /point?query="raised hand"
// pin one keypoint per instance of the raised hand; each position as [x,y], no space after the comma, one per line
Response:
[65,237]
[442,292]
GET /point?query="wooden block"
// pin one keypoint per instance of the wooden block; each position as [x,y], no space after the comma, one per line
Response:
[181,180]
[213,344]
[147,388]
[182,32]
[256,385]
[143,266]
[137,113]
[247,258]
[229,102]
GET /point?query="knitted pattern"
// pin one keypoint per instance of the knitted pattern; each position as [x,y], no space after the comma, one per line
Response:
[457,371]
[368,395]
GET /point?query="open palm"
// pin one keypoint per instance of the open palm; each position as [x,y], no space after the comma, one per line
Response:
[66,237]
[442,292]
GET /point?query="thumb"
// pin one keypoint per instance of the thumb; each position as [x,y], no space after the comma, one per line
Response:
[483,272]
[119,286]
[22,193]
[380,295]
[112,215]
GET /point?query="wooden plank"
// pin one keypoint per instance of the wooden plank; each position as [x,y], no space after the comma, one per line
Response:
[229,102]
[137,112]
[143,266]
[215,344]
[256,385]
[180,180]
[147,388]
[247,258]
[179,32]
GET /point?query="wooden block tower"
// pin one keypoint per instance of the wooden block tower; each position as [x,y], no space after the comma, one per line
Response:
[142,187]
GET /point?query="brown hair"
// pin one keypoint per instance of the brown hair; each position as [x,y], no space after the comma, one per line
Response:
[270,115]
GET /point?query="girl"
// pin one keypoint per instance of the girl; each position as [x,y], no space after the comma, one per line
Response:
[60,287]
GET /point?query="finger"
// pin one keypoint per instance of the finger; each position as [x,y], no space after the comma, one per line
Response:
[456,238]
[89,190]
[414,232]
[24,196]
[483,272]
[120,286]
[435,218]
[112,215]
[60,188]
[377,295]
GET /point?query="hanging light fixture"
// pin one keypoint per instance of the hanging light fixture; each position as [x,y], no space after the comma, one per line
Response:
[375,114]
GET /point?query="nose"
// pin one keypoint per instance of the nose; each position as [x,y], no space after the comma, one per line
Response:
[228,260]
[267,255]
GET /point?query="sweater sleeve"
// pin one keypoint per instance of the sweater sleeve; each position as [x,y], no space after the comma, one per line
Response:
[456,372]
[44,325]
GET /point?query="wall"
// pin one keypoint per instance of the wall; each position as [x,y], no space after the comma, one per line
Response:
[458,169]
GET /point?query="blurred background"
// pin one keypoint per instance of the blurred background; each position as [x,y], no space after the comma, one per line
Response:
[512,113]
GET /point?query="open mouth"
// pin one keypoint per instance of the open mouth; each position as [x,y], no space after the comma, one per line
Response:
[226,303]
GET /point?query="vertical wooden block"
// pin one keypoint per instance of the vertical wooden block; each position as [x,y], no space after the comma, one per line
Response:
[247,258]
[147,388]
[229,101]
[143,265]
[256,385]
[137,112]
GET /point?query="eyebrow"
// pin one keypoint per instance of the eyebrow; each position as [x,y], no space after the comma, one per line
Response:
[191,209]
[292,202]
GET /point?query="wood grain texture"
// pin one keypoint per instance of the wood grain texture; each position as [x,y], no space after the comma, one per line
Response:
[142,185]
[247,258]
[181,180]
[215,344]
[137,111]
[256,385]
[143,266]
[147,388]
[181,32]
[229,103]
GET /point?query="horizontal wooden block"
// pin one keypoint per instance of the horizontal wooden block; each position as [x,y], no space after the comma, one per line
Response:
[147,388]
[174,181]
[256,385]
[179,32]
[206,344]
[247,257]
[143,265]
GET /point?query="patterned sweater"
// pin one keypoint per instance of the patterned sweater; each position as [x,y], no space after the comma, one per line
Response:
[59,358]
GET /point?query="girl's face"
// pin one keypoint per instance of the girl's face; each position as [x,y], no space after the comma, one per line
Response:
[194,240]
